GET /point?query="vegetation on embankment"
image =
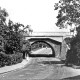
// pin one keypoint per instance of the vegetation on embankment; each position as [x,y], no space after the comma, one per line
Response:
[69,16]
[11,40]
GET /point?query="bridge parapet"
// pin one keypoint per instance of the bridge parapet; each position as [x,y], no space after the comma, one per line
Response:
[57,36]
[50,34]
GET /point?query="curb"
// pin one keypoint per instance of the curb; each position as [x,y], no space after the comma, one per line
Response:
[14,67]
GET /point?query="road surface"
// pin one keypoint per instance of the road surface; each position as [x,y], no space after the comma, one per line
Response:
[39,69]
[43,51]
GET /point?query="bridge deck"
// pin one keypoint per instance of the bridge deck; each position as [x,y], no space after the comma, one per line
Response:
[50,33]
[58,36]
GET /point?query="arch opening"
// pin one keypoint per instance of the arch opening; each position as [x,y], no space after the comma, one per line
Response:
[42,45]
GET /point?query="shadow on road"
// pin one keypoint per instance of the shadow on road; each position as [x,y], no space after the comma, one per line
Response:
[51,62]
[72,78]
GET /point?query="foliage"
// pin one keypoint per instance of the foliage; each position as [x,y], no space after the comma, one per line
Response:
[13,38]
[69,12]
[6,60]
[74,52]
[26,46]
[3,26]
[68,40]
[12,35]
[38,45]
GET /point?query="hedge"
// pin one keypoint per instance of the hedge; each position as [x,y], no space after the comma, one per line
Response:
[7,60]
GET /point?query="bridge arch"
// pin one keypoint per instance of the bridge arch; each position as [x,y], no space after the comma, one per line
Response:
[56,46]
[44,55]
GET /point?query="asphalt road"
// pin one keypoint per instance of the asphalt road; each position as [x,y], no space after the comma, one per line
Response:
[39,69]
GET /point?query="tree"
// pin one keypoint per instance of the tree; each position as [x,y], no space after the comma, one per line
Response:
[14,37]
[11,35]
[3,25]
[29,30]
[69,14]
[3,15]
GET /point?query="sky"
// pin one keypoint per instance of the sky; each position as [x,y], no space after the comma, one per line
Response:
[39,14]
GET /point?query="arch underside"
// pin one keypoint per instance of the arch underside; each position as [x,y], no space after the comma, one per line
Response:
[49,43]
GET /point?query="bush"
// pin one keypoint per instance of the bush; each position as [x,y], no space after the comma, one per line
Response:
[73,55]
[16,58]
[13,43]
[26,46]
[6,60]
